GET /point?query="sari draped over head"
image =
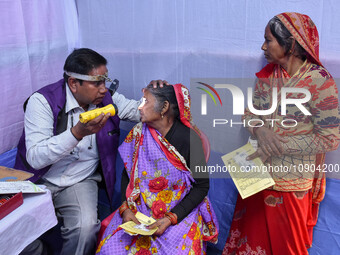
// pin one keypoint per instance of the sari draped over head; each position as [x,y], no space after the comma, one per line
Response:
[159,180]
[289,210]
[304,31]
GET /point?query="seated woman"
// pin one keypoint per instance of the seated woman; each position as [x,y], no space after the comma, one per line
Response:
[157,180]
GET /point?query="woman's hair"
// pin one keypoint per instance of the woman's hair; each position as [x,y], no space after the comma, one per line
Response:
[82,61]
[166,93]
[284,38]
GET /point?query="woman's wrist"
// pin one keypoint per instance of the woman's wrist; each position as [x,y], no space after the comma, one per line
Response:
[123,208]
[168,224]
[172,217]
[255,129]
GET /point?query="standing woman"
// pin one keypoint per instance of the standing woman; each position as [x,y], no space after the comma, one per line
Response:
[280,220]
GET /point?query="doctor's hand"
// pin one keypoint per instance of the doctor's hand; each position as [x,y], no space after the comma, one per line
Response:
[93,126]
[161,83]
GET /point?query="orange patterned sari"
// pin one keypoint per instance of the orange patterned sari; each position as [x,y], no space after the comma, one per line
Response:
[281,220]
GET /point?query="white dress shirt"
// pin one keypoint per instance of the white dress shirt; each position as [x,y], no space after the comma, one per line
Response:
[71,160]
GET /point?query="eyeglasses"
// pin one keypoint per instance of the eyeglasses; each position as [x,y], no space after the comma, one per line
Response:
[98,79]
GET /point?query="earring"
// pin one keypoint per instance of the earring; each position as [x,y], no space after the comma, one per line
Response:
[162,115]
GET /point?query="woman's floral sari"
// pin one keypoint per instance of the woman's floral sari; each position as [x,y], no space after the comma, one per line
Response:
[159,180]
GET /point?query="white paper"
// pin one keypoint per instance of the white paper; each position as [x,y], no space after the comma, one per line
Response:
[19,186]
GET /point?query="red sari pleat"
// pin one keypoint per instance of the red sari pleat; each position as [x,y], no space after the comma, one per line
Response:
[272,222]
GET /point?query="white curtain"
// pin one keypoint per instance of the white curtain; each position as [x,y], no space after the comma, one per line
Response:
[181,41]
[35,38]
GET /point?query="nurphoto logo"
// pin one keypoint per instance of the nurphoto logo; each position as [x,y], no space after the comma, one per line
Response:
[238,107]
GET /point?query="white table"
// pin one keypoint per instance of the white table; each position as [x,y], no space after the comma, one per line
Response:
[26,223]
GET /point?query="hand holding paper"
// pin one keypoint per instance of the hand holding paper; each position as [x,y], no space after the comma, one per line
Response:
[133,229]
[248,176]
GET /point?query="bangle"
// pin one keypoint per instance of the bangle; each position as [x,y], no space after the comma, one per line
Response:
[172,217]
[256,127]
[123,208]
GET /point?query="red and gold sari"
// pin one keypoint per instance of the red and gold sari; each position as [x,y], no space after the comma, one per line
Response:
[280,220]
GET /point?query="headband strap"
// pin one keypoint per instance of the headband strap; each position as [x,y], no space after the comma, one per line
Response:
[85,77]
